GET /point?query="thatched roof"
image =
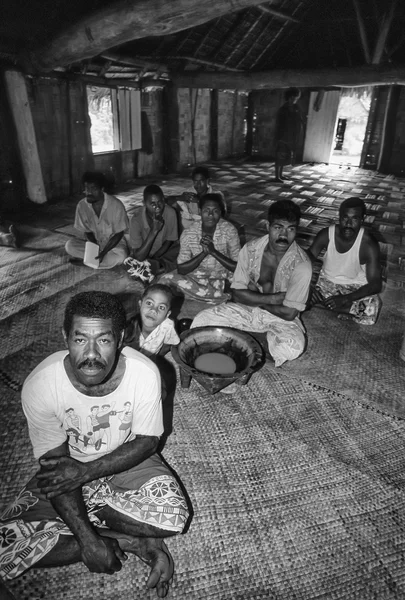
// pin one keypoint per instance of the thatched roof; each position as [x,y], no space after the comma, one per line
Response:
[245,36]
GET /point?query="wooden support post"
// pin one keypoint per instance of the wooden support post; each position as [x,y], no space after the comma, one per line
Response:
[27,143]
[249,131]
[389,129]
[214,124]
[171,145]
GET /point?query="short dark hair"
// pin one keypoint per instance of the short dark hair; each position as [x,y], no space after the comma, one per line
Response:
[159,287]
[99,305]
[215,198]
[286,210]
[292,92]
[201,171]
[153,190]
[95,177]
[353,202]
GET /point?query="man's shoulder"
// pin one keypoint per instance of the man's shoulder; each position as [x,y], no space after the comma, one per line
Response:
[138,215]
[169,210]
[82,205]
[46,367]
[256,243]
[139,363]
[369,244]
[114,201]
[226,226]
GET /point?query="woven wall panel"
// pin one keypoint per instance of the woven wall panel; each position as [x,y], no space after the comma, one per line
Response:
[231,121]
[194,125]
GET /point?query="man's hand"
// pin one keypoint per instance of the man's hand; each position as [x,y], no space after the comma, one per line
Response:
[100,257]
[316,297]
[207,244]
[60,475]
[339,302]
[189,197]
[102,555]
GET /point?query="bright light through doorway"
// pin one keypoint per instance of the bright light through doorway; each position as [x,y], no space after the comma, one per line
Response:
[352,117]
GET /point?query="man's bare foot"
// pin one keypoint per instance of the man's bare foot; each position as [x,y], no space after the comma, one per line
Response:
[153,552]
[278,179]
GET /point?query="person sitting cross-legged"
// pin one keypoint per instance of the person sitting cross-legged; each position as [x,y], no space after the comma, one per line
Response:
[208,253]
[350,278]
[153,234]
[270,287]
[188,203]
[103,220]
[94,416]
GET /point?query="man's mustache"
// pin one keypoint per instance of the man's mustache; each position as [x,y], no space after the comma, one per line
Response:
[90,364]
[282,241]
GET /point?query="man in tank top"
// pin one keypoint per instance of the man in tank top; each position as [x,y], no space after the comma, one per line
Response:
[350,277]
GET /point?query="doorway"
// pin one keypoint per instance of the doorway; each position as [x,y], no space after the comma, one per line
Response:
[352,117]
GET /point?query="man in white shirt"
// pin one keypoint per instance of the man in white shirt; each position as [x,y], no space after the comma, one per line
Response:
[103,220]
[96,497]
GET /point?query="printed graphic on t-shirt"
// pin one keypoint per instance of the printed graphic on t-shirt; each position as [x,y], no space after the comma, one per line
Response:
[98,429]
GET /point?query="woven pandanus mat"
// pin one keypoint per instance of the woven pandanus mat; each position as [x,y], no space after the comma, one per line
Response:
[360,361]
[35,314]
[297,492]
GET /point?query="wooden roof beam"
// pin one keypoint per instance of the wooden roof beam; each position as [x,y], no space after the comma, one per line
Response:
[311,78]
[382,36]
[362,31]
[125,21]
[277,14]
[133,61]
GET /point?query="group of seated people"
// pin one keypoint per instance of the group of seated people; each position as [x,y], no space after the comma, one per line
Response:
[94,411]
[262,287]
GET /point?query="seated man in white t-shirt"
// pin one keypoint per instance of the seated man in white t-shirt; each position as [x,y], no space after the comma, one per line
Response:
[102,219]
[94,418]
[350,278]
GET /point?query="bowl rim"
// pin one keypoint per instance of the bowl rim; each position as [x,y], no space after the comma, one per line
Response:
[258,350]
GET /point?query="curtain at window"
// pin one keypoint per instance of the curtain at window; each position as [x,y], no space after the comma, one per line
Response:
[129,105]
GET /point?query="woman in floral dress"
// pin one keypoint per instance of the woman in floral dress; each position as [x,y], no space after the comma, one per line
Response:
[209,249]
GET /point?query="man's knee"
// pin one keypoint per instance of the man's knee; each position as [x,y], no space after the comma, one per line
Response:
[286,347]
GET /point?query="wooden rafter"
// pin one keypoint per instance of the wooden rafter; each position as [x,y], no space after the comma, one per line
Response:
[245,35]
[362,31]
[133,61]
[238,20]
[277,14]
[341,77]
[383,34]
[273,40]
[126,21]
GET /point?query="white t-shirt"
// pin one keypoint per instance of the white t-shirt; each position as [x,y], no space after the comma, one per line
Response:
[94,425]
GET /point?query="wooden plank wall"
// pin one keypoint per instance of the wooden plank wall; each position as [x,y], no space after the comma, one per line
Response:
[12,183]
[59,111]
[194,126]
[232,106]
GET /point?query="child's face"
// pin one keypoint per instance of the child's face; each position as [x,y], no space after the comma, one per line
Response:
[154,308]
